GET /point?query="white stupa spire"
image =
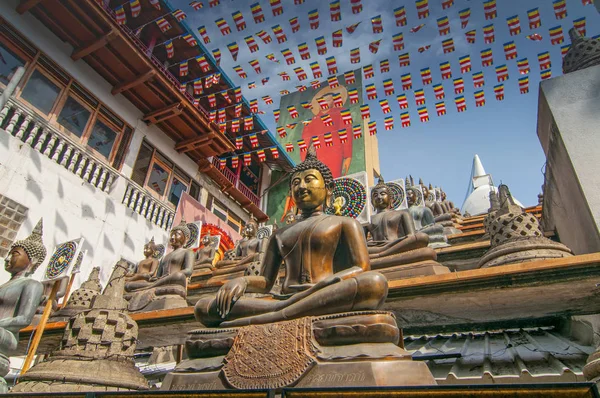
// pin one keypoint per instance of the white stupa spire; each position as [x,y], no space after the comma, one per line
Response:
[478,169]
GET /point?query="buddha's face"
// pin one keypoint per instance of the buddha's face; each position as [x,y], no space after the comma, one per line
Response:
[380,197]
[425,191]
[443,195]
[249,230]
[308,190]
[17,261]
[206,240]
[149,249]
[177,238]
[411,197]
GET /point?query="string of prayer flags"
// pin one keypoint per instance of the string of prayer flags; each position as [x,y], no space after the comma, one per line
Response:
[461,104]
[247,159]
[289,147]
[214,3]
[487,58]
[534,37]
[489,35]
[479,98]
[443,24]
[438,91]
[163,24]
[579,25]
[288,56]
[316,70]
[384,66]
[316,142]
[501,73]
[183,68]
[374,46]
[235,125]
[336,38]
[353,95]
[423,114]
[534,18]
[544,60]
[190,40]
[179,15]
[169,48]
[323,103]
[388,123]
[331,65]
[440,108]
[489,9]
[239,143]
[155,4]
[405,119]
[465,63]
[514,25]
[252,44]
[377,24]
[300,73]
[400,16]
[223,26]
[417,28]
[257,13]
[234,50]
[448,46]
[254,64]
[196,5]
[388,87]
[203,34]
[276,114]
[248,123]
[313,19]
[136,8]
[556,35]
[564,49]
[560,9]
[335,10]
[424,48]
[261,155]
[294,24]
[292,111]
[510,50]
[268,100]
[426,76]
[333,82]
[478,80]
[234,162]
[349,77]
[372,127]
[238,19]
[404,59]
[284,76]
[346,116]
[464,16]
[253,105]
[419,97]
[271,57]
[447,4]
[328,138]
[356,6]
[281,131]
[183,87]
[212,100]
[422,8]
[406,81]
[471,36]
[398,41]
[120,15]
[371,91]
[523,65]
[279,34]
[445,70]
[321,45]
[365,112]
[546,74]
[302,145]
[203,63]
[499,91]
[351,28]
[264,36]
[459,85]
[276,7]
[524,84]
[402,101]
[343,134]
[385,106]
[303,51]
[274,152]
[198,89]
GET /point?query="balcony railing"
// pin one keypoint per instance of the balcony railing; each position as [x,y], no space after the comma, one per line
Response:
[239,185]
[138,200]
[24,124]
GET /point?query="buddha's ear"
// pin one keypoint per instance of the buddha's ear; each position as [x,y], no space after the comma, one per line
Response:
[329,197]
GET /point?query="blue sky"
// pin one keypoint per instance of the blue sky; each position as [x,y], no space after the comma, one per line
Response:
[440,151]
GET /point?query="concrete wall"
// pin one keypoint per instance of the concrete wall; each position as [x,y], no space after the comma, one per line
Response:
[569,132]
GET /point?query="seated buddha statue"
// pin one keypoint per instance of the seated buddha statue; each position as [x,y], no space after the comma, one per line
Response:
[424,220]
[146,268]
[441,216]
[168,288]
[394,240]
[247,251]
[326,263]
[448,205]
[205,256]
[20,296]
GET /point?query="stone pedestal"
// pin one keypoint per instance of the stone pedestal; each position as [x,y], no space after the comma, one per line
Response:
[421,268]
[342,350]
[158,298]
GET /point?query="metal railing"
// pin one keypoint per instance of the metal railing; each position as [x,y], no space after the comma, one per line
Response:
[239,185]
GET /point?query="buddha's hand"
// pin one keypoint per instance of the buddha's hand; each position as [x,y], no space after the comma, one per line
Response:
[228,294]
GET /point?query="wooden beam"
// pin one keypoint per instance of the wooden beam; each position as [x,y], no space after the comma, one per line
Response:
[190,144]
[95,45]
[162,114]
[119,88]
[27,5]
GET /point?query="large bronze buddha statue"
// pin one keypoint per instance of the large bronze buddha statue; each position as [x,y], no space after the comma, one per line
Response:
[168,288]
[326,261]
[20,296]
[394,240]
[424,219]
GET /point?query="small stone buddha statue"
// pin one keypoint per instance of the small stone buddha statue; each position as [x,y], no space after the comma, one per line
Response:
[325,257]
[441,216]
[394,240]
[247,251]
[448,205]
[168,288]
[146,269]
[424,219]
[20,296]
[205,256]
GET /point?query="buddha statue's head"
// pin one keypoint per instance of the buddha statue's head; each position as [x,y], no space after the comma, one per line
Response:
[290,217]
[26,255]
[207,240]
[250,229]
[311,184]
[411,196]
[179,235]
[150,248]
[443,195]
[424,189]
[381,196]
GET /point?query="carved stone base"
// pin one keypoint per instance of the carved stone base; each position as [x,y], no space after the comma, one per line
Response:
[349,349]
[520,250]
[226,277]
[201,275]
[160,298]
[423,268]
